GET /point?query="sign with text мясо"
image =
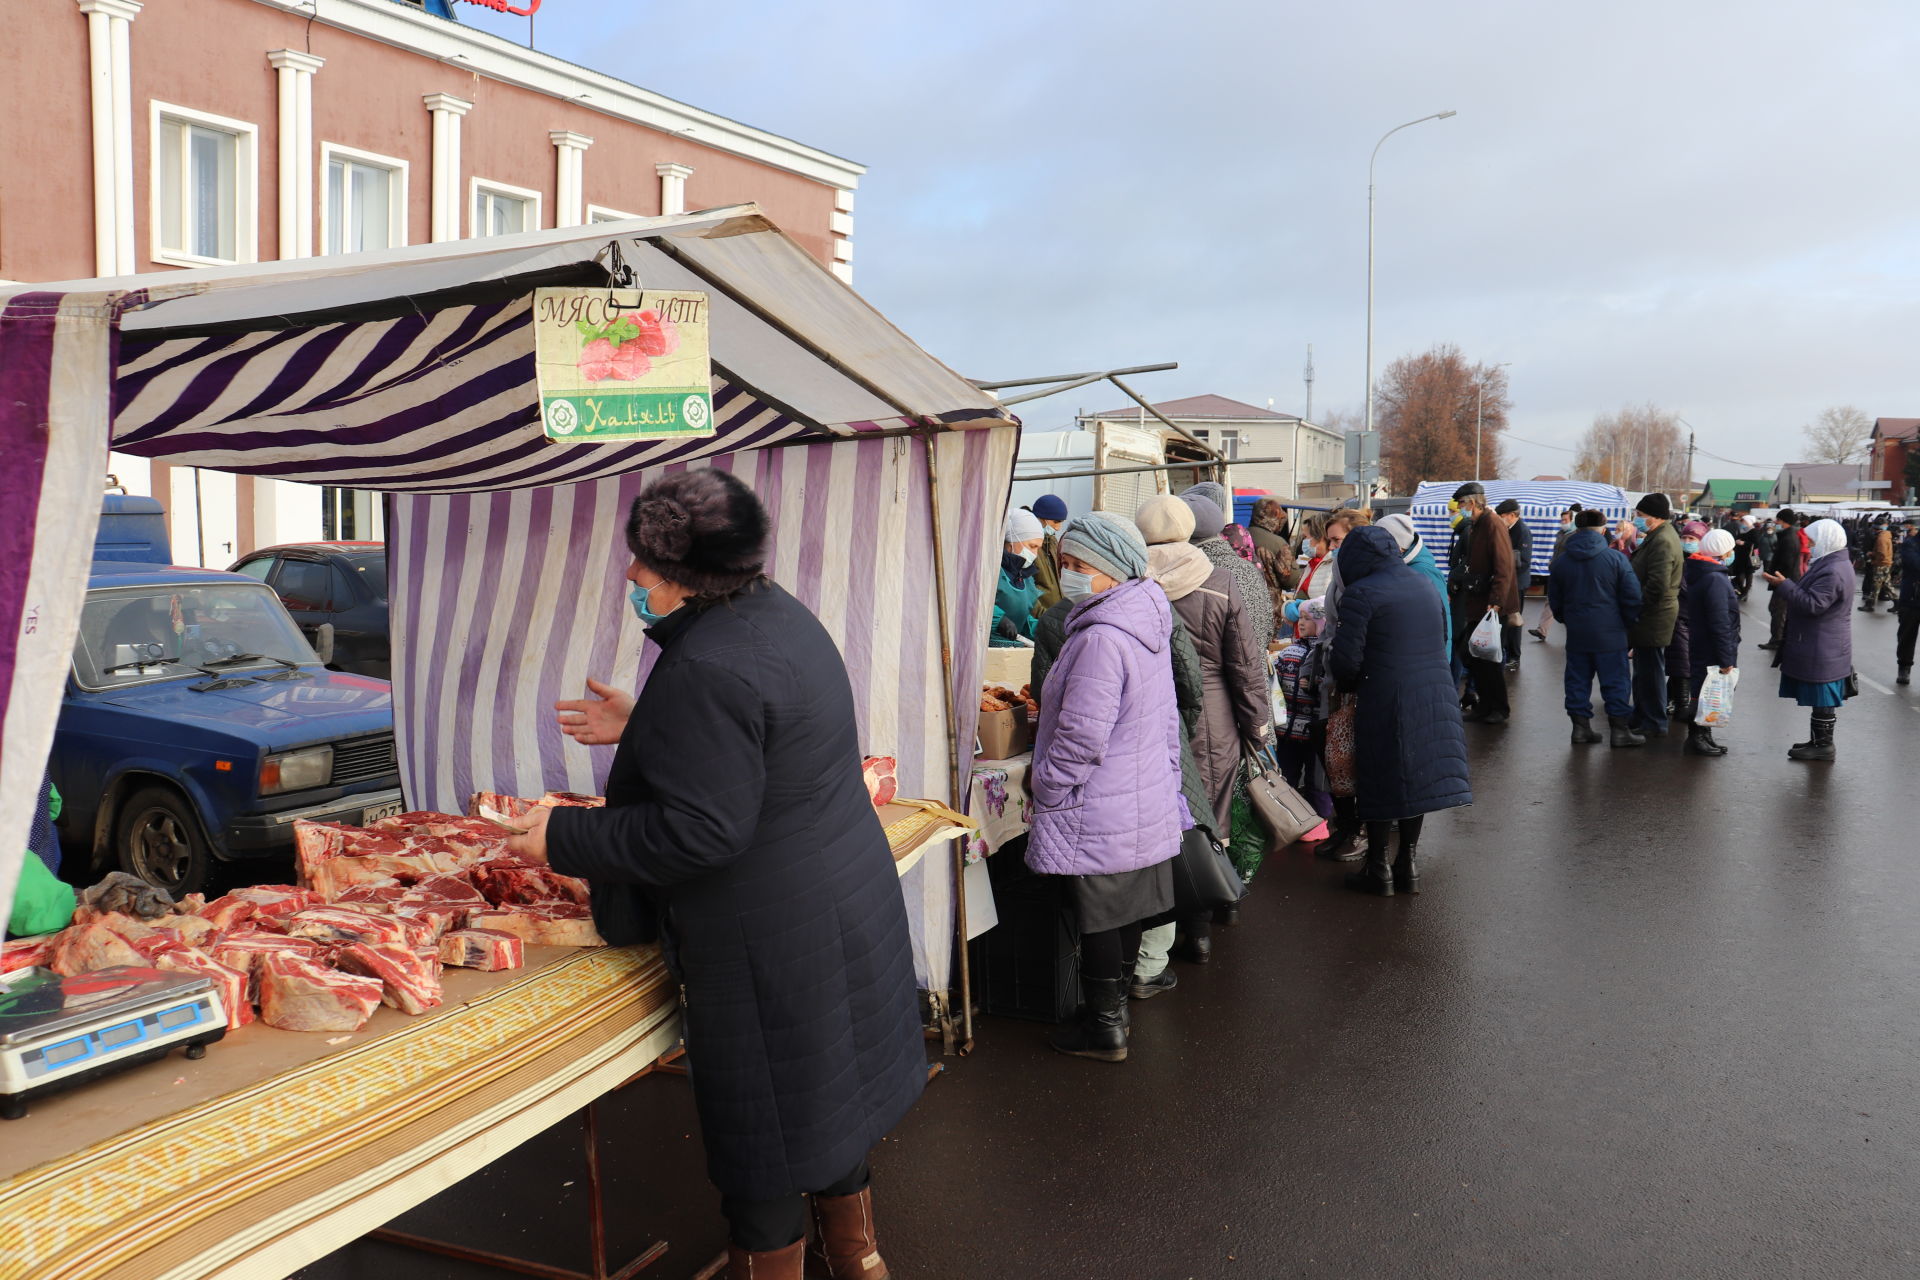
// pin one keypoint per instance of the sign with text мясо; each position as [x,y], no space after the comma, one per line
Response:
[622,364]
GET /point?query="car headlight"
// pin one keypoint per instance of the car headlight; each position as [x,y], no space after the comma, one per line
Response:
[296,770]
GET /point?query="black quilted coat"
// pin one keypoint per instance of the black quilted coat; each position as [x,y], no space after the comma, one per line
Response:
[1410,753]
[737,822]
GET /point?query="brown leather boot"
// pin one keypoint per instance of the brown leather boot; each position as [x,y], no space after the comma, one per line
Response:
[781,1264]
[844,1247]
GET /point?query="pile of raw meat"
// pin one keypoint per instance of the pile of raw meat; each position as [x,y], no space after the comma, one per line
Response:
[377,912]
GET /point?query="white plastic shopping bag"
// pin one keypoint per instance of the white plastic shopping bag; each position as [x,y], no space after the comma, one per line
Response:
[1715,708]
[1485,642]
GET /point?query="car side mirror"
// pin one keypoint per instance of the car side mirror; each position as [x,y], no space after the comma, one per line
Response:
[323,642]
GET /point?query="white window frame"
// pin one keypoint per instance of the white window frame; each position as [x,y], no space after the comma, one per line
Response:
[600,213]
[246,187]
[397,197]
[478,185]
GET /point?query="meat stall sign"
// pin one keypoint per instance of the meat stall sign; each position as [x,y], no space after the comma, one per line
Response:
[622,364]
[526,9]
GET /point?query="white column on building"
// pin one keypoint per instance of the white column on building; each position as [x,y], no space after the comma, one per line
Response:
[447,111]
[569,188]
[673,187]
[110,59]
[842,227]
[296,149]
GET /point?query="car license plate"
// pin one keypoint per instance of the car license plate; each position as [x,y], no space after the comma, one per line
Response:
[374,812]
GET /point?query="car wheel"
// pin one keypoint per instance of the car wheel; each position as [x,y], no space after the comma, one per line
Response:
[158,839]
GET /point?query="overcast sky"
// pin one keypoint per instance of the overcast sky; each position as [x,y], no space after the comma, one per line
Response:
[1707,205]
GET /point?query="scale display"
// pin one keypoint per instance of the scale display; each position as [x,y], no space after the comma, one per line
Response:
[58,1031]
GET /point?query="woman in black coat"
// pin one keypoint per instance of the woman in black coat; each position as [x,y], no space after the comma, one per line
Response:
[1710,608]
[1410,753]
[739,833]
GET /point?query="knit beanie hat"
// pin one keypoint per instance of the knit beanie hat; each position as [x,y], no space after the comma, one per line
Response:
[1208,519]
[1024,526]
[1717,544]
[1695,529]
[1655,505]
[1404,537]
[703,529]
[1050,507]
[1107,543]
[1213,492]
[1164,519]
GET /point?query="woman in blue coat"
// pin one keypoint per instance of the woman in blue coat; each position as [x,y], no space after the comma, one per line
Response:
[1410,753]
[1710,609]
[1816,653]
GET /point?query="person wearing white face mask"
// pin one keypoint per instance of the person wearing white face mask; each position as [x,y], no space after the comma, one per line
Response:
[1018,592]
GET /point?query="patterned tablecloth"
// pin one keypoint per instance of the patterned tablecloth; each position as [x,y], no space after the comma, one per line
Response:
[998,802]
[279,1147]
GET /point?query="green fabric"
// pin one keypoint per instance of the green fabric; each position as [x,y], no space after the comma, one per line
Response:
[1046,575]
[53,802]
[1658,563]
[42,902]
[1016,602]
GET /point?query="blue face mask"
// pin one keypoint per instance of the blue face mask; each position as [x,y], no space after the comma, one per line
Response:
[638,598]
[1640,523]
[1727,558]
[1689,546]
[1075,586]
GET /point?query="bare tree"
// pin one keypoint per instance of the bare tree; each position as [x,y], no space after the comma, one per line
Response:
[1345,421]
[1838,434]
[1640,449]
[1427,407]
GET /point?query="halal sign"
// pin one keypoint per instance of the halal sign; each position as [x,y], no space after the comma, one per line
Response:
[526,10]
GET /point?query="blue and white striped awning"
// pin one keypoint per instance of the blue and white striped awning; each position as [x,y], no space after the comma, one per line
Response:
[1541,502]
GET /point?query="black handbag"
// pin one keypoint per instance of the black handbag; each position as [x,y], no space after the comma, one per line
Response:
[1203,875]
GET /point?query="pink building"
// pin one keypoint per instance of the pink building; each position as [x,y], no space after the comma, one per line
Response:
[196,133]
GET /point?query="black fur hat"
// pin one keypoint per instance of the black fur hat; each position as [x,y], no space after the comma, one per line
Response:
[703,529]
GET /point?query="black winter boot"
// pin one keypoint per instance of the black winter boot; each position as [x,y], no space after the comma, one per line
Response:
[1126,1008]
[1905,676]
[1097,1032]
[1406,872]
[1821,745]
[1343,833]
[1700,742]
[1374,875]
[1583,731]
[1621,734]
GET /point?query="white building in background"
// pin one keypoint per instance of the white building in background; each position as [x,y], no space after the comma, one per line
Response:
[159,134]
[1311,457]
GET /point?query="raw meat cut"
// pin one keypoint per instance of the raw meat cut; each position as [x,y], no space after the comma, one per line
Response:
[246,953]
[297,994]
[882,786]
[410,980]
[547,925]
[505,881]
[442,900]
[192,930]
[226,914]
[348,924]
[230,982]
[132,928]
[25,953]
[277,899]
[84,948]
[487,949]
[571,799]
[372,897]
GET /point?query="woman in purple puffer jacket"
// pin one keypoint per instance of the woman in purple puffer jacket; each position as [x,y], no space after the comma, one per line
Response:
[1105,778]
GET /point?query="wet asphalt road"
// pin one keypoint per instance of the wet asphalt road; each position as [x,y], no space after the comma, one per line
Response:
[1652,1016]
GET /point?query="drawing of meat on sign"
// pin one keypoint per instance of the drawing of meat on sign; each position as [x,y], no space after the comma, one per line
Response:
[615,365]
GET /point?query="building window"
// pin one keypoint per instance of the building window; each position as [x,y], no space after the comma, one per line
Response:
[1229,445]
[337,523]
[597,213]
[366,201]
[204,193]
[500,210]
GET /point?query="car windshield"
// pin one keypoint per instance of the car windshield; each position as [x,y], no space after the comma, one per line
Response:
[148,633]
[371,570]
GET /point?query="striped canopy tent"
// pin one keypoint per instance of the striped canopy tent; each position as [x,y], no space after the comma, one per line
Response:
[411,371]
[1541,502]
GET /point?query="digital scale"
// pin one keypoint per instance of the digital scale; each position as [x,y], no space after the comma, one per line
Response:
[56,1032]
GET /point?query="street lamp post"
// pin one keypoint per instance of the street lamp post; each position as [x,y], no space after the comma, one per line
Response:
[1438,115]
[1479,404]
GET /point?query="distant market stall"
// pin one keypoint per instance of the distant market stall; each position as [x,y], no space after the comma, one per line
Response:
[413,372]
[1541,502]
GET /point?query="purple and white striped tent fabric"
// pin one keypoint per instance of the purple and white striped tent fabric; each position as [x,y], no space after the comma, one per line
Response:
[410,371]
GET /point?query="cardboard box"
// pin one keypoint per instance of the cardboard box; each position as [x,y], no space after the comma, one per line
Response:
[1004,734]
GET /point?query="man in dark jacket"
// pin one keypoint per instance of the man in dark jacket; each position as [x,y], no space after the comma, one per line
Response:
[1657,564]
[1787,561]
[1521,538]
[1751,553]
[1593,591]
[1909,602]
[1482,582]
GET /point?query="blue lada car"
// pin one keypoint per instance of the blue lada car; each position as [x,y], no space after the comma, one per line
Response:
[199,724]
